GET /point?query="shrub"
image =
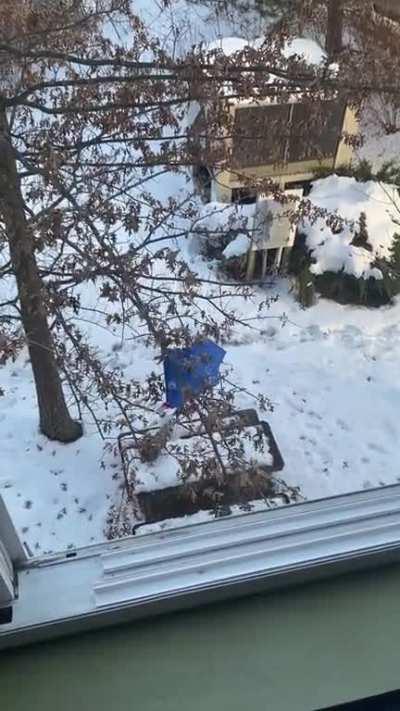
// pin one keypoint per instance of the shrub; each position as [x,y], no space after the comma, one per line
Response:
[341,287]
[348,289]
[361,236]
[395,253]
[306,287]
[362,171]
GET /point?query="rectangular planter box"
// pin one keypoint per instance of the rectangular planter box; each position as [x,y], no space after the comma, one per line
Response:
[205,494]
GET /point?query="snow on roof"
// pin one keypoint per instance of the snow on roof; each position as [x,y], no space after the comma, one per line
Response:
[228,45]
[348,199]
[306,48]
[295,48]
[298,46]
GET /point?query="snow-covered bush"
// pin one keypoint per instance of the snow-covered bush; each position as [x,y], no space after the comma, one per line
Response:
[348,239]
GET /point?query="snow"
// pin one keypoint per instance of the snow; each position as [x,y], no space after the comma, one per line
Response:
[239,246]
[331,372]
[294,49]
[349,198]
[214,222]
[215,216]
[380,149]
[58,495]
[308,49]
[165,471]
[379,146]
[204,516]
[228,45]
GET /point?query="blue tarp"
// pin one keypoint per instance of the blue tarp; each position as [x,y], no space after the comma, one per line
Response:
[189,371]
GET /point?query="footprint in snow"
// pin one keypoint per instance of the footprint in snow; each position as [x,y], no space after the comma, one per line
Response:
[311,333]
[376,448]
[270,332]
[343,425]
[391,430]
[352,336]
[316,333]
[314,426]
[293,405]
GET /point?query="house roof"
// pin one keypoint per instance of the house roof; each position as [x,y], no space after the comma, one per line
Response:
[290,132]
[268,133]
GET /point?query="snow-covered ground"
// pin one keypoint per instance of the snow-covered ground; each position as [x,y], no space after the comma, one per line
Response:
[331,373]
[58,496]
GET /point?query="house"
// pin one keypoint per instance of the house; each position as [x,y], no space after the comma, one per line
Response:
[285,142]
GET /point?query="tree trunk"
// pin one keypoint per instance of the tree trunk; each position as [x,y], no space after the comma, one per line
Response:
[55,420]
[334,32]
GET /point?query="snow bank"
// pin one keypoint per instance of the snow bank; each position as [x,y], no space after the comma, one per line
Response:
[348,199]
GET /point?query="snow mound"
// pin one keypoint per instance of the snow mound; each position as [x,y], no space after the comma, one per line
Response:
[240,245]
[308,49]
[217,220]
[348,198]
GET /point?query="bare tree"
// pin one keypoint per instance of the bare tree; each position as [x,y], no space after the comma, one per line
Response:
[334,34]
[85,121]
[55,421]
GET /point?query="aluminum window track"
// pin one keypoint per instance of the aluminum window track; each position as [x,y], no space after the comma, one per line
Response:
[224,558]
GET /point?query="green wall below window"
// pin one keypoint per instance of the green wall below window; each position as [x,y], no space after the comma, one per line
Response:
[305,648]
